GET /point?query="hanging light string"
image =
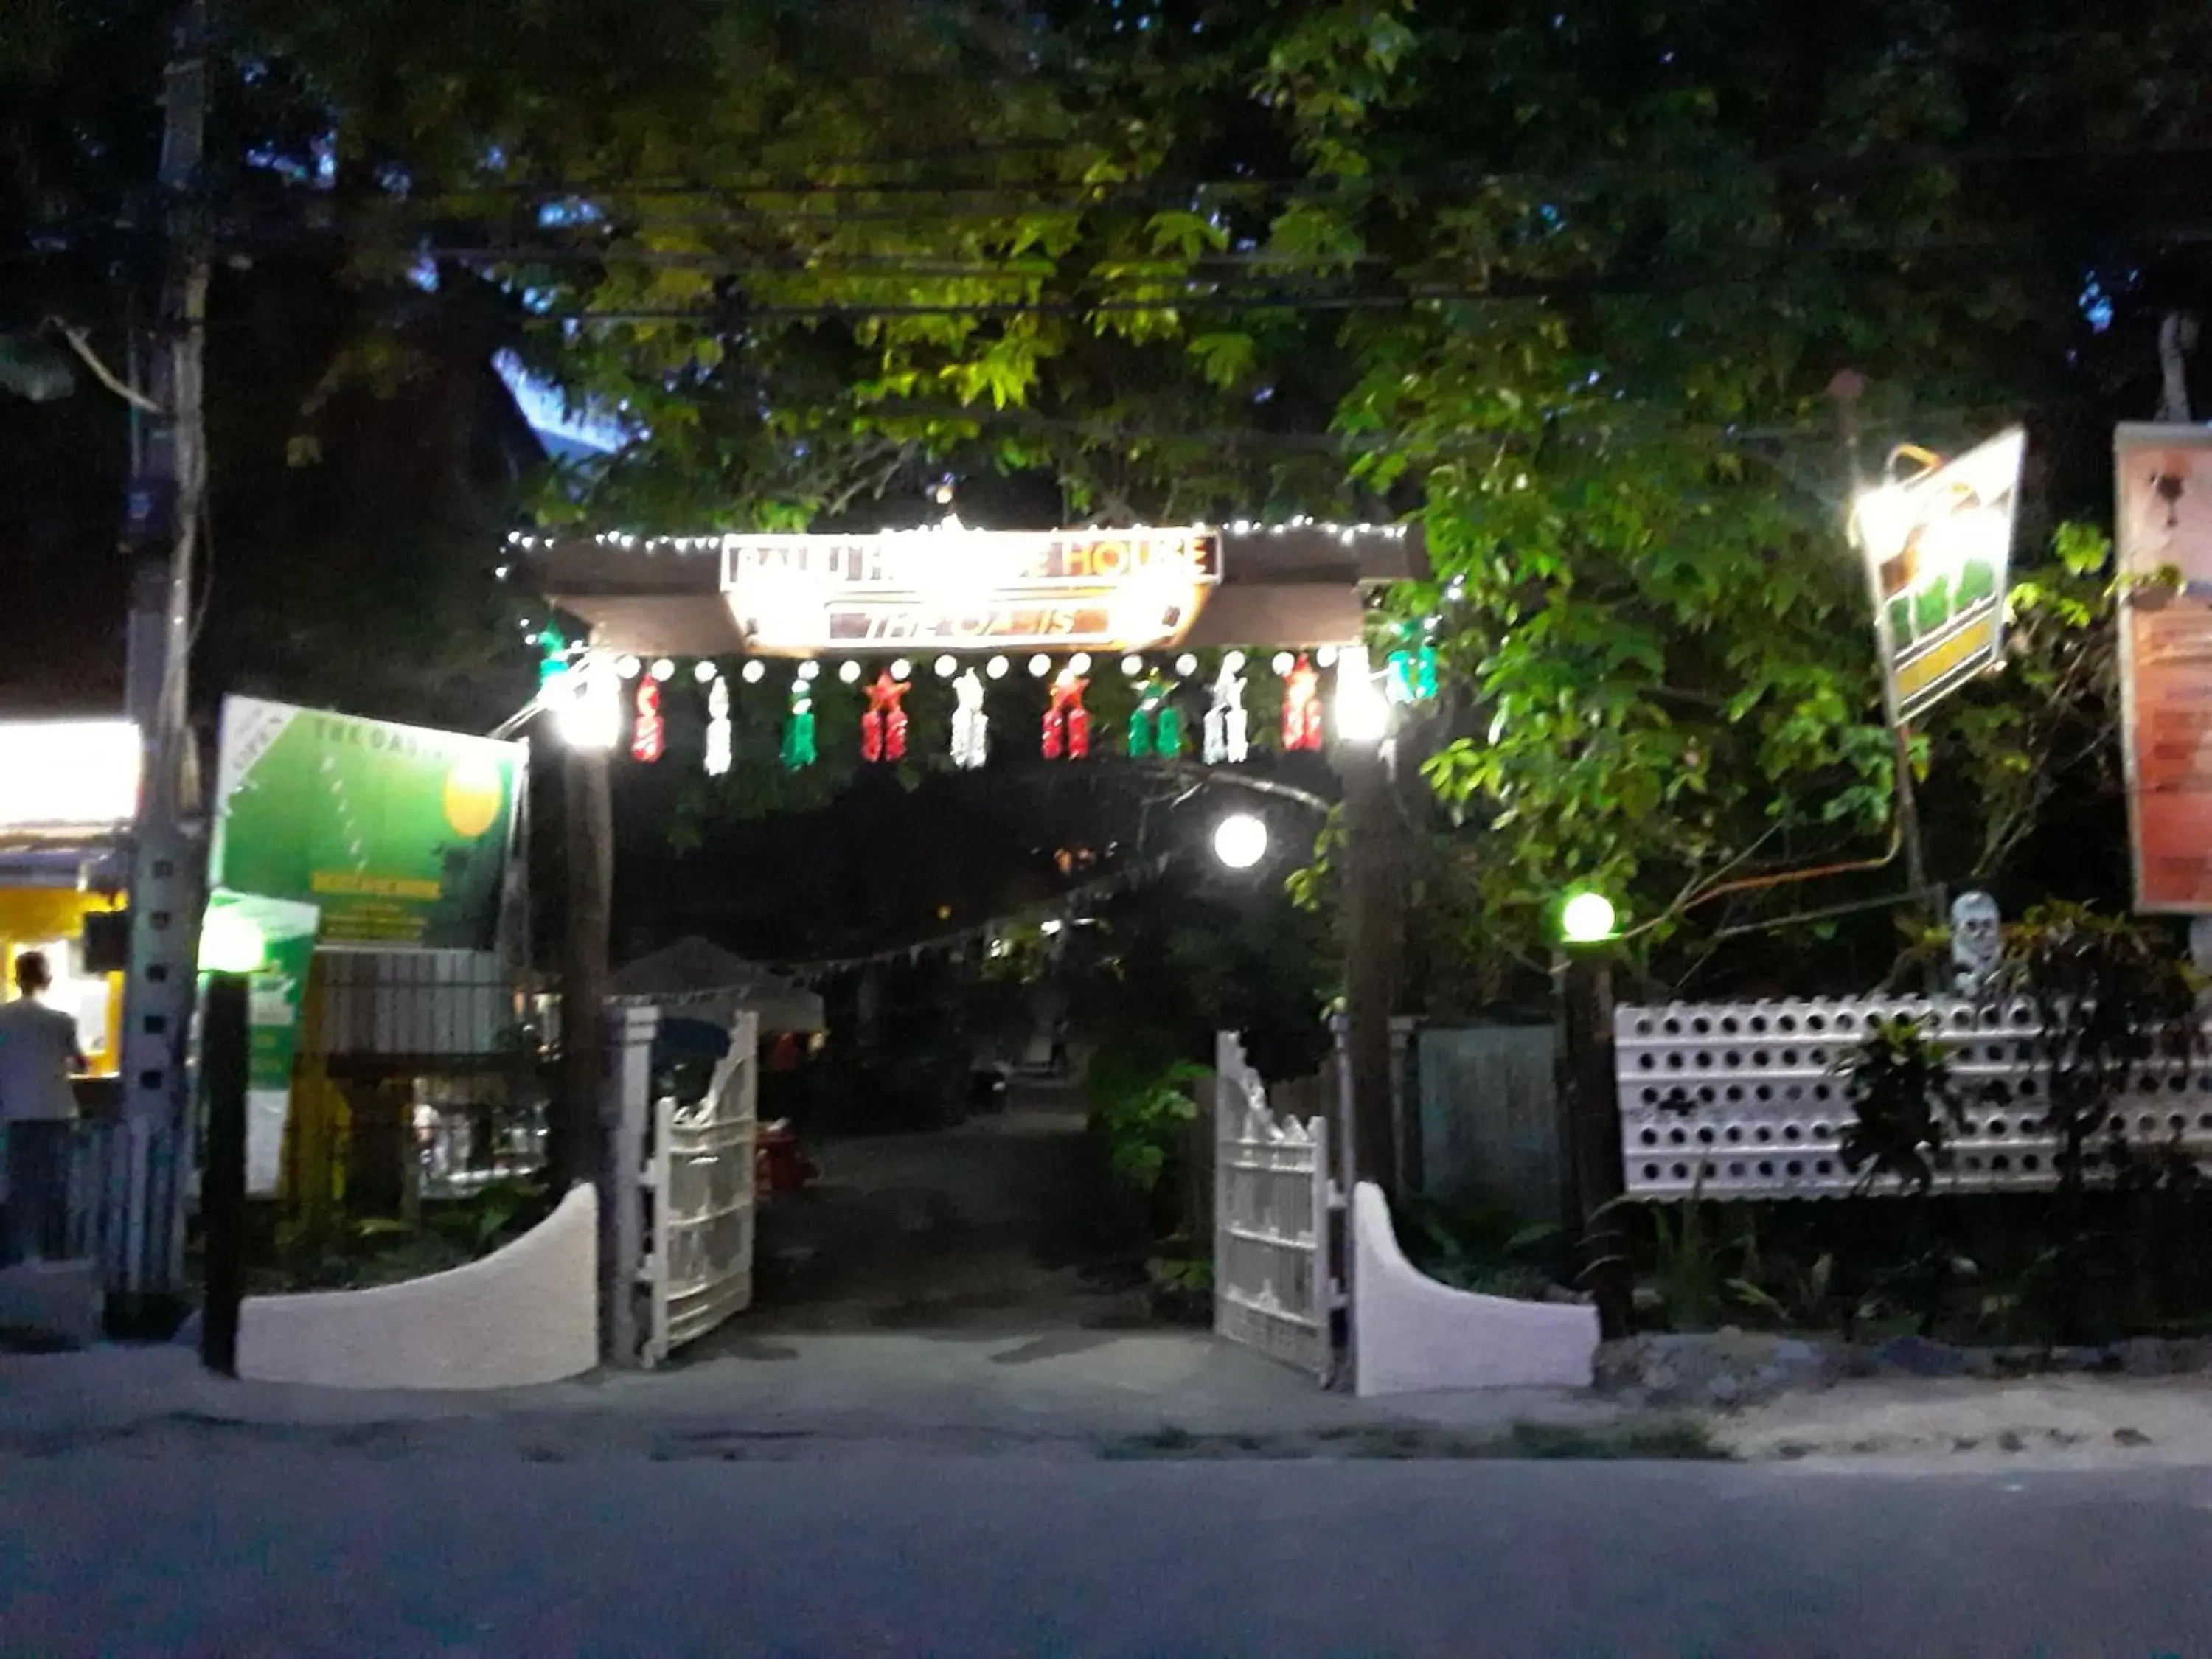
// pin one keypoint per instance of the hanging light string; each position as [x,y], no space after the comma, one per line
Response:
[980,934]
[729,540]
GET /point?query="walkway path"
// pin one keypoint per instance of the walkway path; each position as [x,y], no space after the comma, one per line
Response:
[999,1223]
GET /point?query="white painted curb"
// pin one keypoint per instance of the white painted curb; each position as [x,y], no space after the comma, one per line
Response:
[526,1313]
[1413,1336]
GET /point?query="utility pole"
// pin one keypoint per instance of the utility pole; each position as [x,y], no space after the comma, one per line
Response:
[167,499]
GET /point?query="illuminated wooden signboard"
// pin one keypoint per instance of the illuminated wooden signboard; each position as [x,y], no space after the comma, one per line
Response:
[1941,545]
[952,589]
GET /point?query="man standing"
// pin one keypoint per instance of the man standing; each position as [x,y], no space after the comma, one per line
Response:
[38,1051]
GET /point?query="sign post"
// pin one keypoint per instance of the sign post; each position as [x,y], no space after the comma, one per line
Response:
[1938,550]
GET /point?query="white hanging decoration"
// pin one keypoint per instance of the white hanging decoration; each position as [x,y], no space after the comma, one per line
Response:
[593,717]
[971,726]
[1224,717]
[718,728]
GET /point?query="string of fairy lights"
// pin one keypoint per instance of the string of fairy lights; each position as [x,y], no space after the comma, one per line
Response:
[1174,706]
[1168,701]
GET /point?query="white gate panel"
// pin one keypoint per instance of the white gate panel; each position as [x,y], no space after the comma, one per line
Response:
[699,1182]
[1273,1209]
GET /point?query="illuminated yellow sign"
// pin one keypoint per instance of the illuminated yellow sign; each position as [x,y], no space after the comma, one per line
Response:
[951,588]
[1940,546]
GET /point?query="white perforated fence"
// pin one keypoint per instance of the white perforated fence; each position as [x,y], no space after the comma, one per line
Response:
[1273,1210]
[1743,1100]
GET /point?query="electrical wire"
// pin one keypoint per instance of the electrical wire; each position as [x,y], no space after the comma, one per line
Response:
[82,347]
[1183,189]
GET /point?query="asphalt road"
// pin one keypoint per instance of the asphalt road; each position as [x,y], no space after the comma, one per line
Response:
[269,1546]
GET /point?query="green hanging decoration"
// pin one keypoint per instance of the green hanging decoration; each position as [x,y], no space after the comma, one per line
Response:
[1412,674]
[553,660]
[799,728]
[1156,724]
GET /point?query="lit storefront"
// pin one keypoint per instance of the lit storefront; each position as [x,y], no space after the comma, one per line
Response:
[69,790]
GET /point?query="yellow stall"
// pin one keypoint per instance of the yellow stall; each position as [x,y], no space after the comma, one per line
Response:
[69,791]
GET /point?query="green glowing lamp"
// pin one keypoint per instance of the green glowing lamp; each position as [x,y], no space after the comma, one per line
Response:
[1587,918]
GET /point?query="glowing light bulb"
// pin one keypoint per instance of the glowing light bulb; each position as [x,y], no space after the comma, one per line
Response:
[1240,840]
[1587,918]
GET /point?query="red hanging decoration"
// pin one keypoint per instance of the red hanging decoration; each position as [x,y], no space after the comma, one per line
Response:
[883,724]
[649,737]
[1302,706]
[1067,722]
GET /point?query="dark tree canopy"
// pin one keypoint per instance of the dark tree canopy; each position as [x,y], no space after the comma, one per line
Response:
[1568,281]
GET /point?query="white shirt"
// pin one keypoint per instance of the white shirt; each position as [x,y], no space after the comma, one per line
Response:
[38,1045]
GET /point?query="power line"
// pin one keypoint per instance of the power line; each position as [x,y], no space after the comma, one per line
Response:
[1360,185]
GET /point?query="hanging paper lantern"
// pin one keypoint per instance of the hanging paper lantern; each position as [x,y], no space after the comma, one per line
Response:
[1301,715]
[649,735]
[1412,674]
[971,726]
[590,711]
[798,727]
[1155,725]
[552,666]
[1067,722]
[1225,739]
[883,723]
[718,728]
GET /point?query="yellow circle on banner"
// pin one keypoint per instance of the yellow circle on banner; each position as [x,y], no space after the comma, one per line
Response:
[475,792]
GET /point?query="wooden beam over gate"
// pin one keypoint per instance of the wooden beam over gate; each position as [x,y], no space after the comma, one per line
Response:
[1294,586]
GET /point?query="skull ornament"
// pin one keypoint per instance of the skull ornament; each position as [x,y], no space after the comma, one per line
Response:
[1977,940]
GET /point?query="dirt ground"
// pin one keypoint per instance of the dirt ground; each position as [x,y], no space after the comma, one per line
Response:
[1001,1224]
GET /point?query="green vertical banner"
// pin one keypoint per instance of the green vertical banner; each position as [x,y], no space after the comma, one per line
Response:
[273,942]
[400,835]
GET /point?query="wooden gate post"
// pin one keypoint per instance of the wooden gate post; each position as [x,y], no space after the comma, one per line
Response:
[625,1096]
[1594,1123]
[572,1151]
[223,1044]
